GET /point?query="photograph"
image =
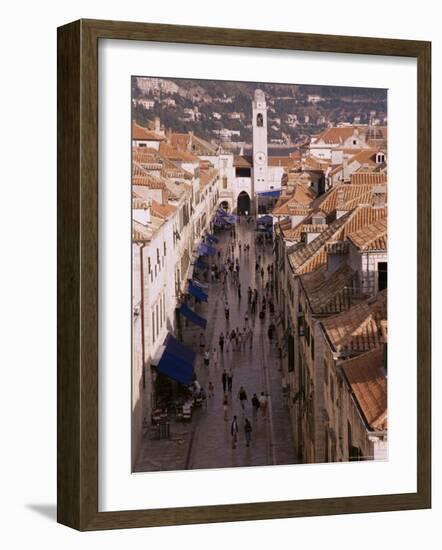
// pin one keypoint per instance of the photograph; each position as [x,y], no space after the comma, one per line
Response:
[259,274]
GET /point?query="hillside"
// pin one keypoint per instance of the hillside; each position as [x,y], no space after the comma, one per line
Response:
[221,111]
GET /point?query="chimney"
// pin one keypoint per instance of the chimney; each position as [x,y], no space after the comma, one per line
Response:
[147,212]
[340,204]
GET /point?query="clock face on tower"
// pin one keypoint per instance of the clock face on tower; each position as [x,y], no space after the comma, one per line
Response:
[260,158]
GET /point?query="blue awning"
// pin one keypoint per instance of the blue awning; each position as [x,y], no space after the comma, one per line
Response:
[177,361]
[211,251]
[197,292]
[174,347]
[200,264]
[267,220]
[198,283]
[192,316]
[274,193]
[206,250]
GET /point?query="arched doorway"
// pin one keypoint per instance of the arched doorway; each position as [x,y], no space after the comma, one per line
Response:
[243,203]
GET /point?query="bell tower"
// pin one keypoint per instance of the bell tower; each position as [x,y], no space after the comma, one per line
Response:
[259,125]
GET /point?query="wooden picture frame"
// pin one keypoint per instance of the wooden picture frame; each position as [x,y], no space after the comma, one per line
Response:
[78,274]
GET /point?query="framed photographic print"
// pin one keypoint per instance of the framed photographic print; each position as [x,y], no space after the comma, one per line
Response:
[243,275]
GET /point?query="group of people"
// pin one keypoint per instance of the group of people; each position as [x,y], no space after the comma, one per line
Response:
[227,271]
[236,339]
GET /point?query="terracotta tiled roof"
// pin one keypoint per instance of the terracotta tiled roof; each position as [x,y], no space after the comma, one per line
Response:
[282,161]
[330,293]
[371,237]
[298,201]
[358,329]
[151,160]
[207,175]
[352,195]
[367,379]
[242,161]
[313,163]
[143,178]
[365,156]
[179,141]
[147,157]
[172,153]
[141,133]
[191,143]
[361,217]
[313,227]
[336,135]
[368,178]
[314,254]
[163,211]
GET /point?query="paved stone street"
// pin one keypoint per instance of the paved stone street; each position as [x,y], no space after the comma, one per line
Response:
[206,441]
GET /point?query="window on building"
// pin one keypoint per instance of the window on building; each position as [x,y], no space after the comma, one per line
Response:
[156,319]
[291,353]
[312,349]
[380,158]
[259,119]
[301,326]
[382,275]
[165,248]
[153,327]
[242,172]
[225,182]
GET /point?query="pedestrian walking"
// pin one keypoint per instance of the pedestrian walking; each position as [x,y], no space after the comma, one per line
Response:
[202,342]
[224,380]
[225,405]
[234,432]
[229,380]
[255,405]
[215,357]
[247,431]
[246,317]
[263,404]
[262,272]
[250,337]
[221,342]
[211,389]
[242,396]
[206,356]
[233,339]
[226,311]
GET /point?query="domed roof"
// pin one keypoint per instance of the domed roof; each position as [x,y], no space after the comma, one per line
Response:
[373,132]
